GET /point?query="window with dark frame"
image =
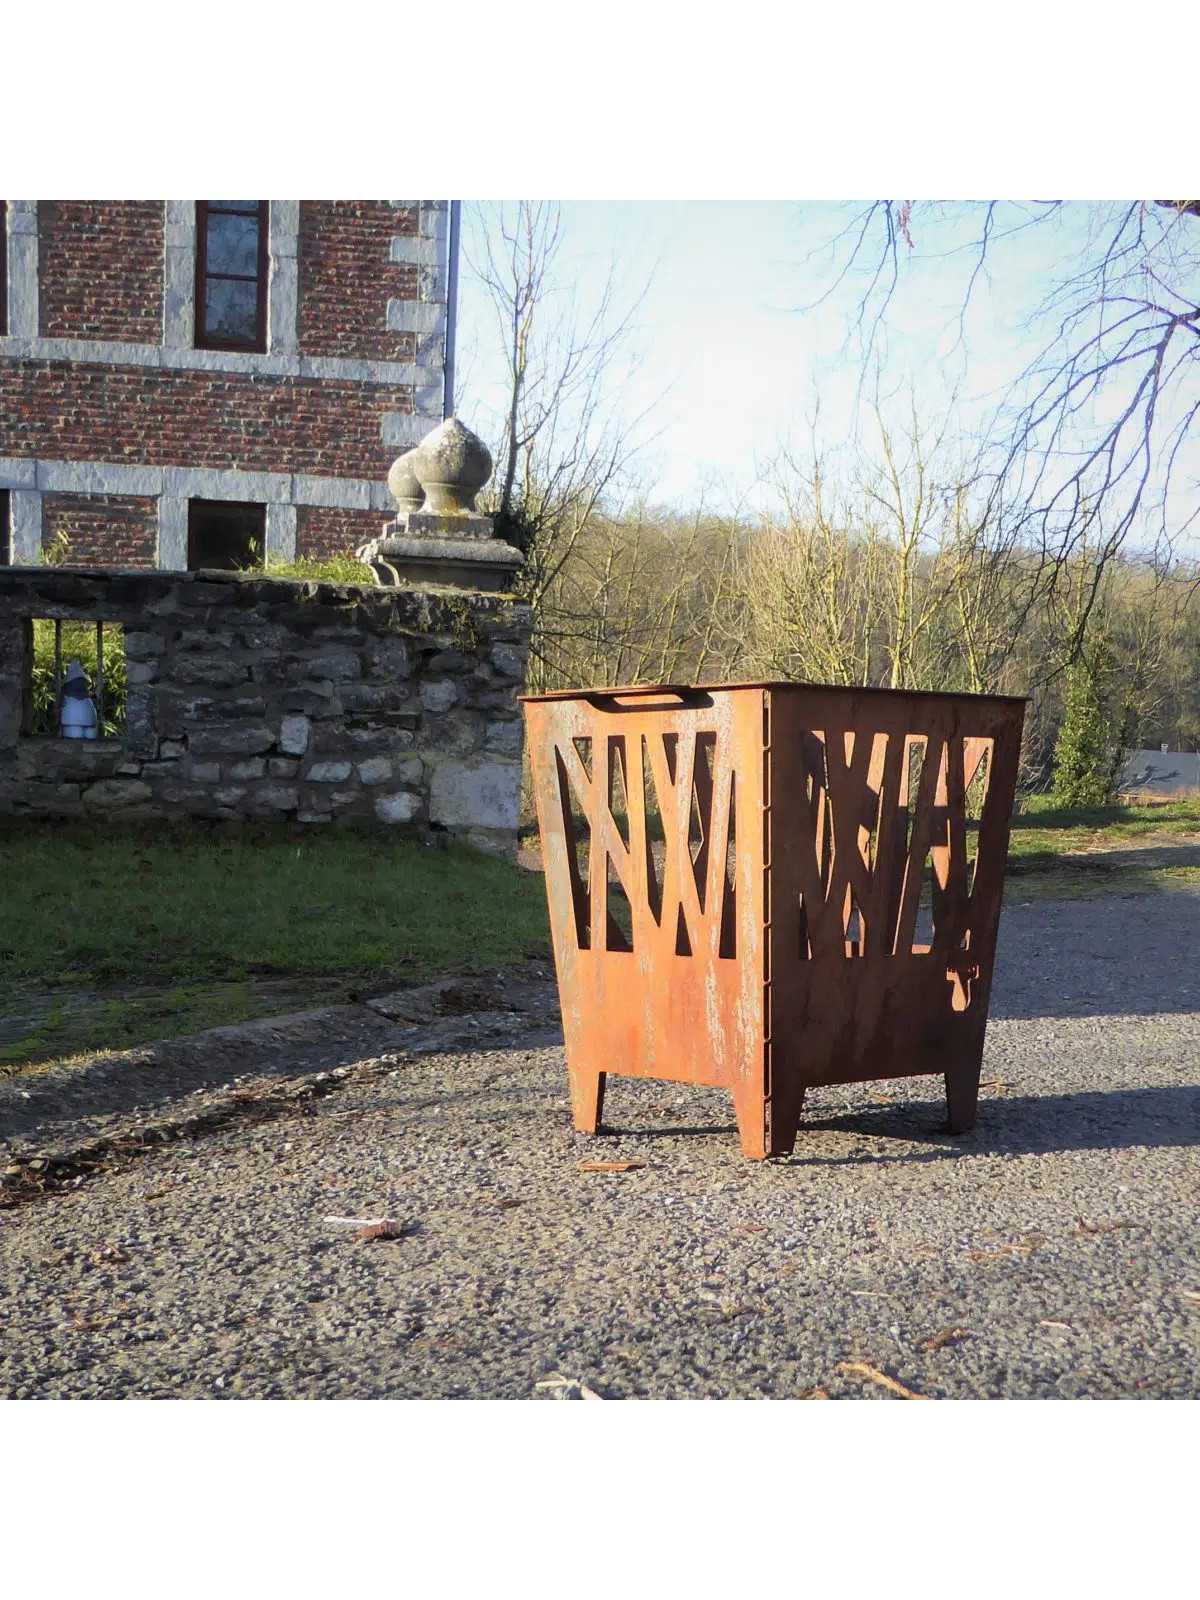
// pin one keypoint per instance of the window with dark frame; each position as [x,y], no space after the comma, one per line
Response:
[6,538]
[227,535]
[3,267]
[231,274]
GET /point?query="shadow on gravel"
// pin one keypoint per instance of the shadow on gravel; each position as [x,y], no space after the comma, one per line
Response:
[149,1081]
[1013,1125]
[1123,1119]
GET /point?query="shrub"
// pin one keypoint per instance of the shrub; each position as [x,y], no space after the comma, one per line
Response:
[1084,754]
[332,569]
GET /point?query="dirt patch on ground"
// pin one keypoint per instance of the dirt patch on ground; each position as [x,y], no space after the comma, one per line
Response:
[153,1093]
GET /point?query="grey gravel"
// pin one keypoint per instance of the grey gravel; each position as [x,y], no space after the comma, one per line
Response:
[1059,1239]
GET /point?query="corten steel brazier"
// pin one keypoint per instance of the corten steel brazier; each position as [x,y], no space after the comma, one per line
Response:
[765,887]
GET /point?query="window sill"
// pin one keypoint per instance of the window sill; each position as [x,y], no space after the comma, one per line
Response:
[233,349]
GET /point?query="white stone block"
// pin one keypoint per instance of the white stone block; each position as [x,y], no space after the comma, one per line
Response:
[294,735]
[98,477]
[439,694]
[416,316]
[283,299]
[284,227]
[403,428]
[172,533]
[486,794]
[350,493]
[25,512]
[281,531]
[397,807]
[18,472]
[413,251]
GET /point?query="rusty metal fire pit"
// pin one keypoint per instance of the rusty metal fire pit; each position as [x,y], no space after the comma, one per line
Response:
[765,887]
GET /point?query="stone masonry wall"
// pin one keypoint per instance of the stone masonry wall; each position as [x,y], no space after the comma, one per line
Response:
[111,530]
[255,698]
[100,269]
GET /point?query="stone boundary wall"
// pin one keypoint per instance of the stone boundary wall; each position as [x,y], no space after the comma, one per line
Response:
[254,697]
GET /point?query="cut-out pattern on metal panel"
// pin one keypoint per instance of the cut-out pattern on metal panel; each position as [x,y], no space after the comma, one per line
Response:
[887,860]
[650,826]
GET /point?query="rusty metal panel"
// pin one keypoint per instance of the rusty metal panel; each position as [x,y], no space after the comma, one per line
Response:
[650,807]
[767,887]
[885,892]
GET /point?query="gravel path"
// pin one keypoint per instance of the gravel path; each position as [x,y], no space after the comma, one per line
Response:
[1053,1252]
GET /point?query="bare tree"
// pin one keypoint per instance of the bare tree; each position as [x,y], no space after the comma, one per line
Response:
[568,444]
[640,599]
[805,595]
[887,572]
[1092,439]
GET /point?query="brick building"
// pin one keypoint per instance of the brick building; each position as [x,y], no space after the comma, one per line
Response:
[185,382]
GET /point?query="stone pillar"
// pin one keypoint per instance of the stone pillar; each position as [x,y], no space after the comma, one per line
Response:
[437,537]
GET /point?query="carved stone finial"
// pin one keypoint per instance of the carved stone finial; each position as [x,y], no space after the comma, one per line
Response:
[403,484]
[452,465]
[438,537]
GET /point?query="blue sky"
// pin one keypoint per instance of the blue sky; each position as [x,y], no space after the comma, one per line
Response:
[731,364]
[728,359]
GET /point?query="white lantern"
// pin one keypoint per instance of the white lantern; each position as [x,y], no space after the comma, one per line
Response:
[77,715]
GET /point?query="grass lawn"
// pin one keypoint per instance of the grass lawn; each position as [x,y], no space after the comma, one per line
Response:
[111,940]
[108,941]
[1071,851]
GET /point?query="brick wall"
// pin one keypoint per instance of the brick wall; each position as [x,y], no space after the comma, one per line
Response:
[100,269]
[323,531]
[347,279]
[63,411]
[103,530]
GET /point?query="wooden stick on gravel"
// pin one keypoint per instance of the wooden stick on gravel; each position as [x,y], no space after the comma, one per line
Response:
[862,1370]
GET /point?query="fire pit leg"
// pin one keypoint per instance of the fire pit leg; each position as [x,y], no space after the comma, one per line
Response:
[962,1097]
[751,1113]
[786,1112]
[587,1098]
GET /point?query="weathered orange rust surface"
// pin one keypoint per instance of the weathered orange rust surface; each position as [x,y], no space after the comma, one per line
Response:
[764,887]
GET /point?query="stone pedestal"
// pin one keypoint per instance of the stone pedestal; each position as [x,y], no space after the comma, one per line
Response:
[441,539]
[451,552]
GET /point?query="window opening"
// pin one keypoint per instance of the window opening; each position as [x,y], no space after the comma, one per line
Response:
[226,535]
[231,274]
[77,685]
